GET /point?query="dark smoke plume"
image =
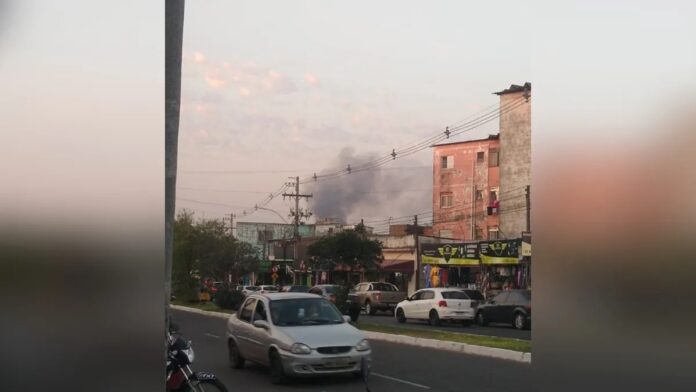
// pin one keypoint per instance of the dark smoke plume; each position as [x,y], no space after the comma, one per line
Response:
[389,190]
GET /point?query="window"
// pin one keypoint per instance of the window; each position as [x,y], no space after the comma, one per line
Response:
[493,233]
[383,287]
[246,310]
[427,294]
[416,296]
[447,162]
[493,157]
[446,200]
[454,295]
[445,233]
[260,313]
[493,196]
[480,156]
[479,233]
[501,298]
[479,194]
[474,294]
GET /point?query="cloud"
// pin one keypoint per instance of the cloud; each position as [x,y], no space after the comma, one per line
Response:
[198,57]
[311,79]
[244,92]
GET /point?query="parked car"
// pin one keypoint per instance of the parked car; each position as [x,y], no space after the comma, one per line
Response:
[346,301]
[246,290]
[374,296]
[294,289]
[510,307]
[475,295]
[296,334]
[436,304]
[268,289]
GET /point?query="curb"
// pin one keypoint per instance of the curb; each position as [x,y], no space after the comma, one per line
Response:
[463,348]
[203,312]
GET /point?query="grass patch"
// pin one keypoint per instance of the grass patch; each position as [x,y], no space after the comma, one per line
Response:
[479,340]
[209,306]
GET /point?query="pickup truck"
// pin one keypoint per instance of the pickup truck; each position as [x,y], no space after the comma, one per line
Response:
[374,296]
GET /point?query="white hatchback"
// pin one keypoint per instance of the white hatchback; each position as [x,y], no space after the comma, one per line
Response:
[435,304]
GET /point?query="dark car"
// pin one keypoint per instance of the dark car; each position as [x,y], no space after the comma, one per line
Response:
[294,289]
[510,307]
[345,300]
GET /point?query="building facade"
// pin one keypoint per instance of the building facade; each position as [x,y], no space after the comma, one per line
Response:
[515,157]
[466,183]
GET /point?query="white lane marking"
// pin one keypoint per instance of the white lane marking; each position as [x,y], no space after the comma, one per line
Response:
[211,335]
[399,380]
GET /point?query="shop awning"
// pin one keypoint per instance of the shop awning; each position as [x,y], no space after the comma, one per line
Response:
[397,266]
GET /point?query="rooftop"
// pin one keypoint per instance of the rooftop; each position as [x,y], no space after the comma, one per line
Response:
[490,137]
[515,89]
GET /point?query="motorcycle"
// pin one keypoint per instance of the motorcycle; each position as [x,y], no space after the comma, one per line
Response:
[180,377]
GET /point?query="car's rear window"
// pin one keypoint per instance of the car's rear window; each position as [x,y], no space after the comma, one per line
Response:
[474,294]
[454,295]
[331,289]
[382,287]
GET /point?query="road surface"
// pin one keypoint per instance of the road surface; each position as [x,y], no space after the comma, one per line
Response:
[396,368]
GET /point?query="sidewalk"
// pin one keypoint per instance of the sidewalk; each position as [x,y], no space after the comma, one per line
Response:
[440,344]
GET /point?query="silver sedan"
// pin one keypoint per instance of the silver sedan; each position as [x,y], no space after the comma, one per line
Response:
[296,334]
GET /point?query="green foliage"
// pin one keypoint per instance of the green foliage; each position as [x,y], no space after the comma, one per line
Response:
[205,247]
[348,247]
[228,299]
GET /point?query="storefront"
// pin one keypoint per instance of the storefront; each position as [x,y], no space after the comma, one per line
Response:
[502,267]
[451,265]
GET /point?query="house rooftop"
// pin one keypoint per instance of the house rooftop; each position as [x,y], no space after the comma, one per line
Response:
[514,88]
[490,137]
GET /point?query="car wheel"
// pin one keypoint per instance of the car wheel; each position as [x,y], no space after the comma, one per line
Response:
[369,309]
[400,316]
[520,321]
[236,359]
[434,318]
[278,376]
[481,319]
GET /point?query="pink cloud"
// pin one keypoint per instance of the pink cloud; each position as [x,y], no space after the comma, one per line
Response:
[311,79]
[244,92]
[198,57]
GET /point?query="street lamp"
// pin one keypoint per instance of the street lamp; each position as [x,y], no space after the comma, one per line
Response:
[273,211]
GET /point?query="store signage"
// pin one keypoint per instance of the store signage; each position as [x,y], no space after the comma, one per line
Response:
[499,252]
[450,254]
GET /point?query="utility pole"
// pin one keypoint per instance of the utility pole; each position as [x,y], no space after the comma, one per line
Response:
[527,197]
[297,213]
[173,43]
[232,216]
[418,257]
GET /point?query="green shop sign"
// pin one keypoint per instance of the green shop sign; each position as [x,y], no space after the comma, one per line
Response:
[450,254]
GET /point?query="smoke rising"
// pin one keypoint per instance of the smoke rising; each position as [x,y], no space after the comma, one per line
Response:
[382,192]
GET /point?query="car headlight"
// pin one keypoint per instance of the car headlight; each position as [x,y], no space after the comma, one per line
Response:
[300,348]
[363,345]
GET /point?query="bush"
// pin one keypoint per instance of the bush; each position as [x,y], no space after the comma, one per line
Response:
[185,288]
[228,299]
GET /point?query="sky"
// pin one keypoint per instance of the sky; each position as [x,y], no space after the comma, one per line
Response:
[272,89]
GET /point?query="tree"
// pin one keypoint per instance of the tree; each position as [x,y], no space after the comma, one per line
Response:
[205,247]
[348,247]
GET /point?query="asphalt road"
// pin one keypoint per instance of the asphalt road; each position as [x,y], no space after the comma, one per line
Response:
[396,368]
[502,330]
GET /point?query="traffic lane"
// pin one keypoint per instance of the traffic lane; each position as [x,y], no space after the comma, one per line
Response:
[500,330]
[396,367]
[208,336]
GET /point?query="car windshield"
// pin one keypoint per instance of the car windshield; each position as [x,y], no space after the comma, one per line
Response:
[304,311]
[382,287]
